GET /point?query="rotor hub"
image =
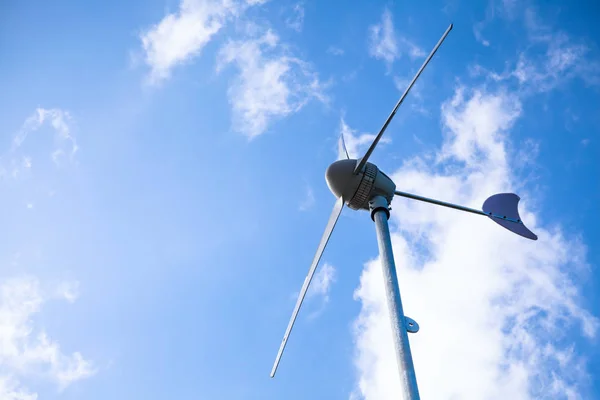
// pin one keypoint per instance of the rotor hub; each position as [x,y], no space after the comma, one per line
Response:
[357,189]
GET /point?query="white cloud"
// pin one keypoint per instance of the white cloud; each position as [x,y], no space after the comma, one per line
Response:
[382,39]
[480,26]
[320,287]
[27,353]
[297,21]
[551,59]
[29,357]
[386,45]
[43,144]
[478,35]
[11,390]
[322,282]
[59,120]
[476,134]
[69,290]
[414,51]
[356,144]
[271,84]
[336,51]
[317,295]
[181,36]
[563,59]
[309,199]
[493,307]
[18,161]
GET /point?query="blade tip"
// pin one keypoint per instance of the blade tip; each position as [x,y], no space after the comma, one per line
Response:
[273,371]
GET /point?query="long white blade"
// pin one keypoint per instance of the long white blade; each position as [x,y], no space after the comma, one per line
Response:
[363,160]
[335,213]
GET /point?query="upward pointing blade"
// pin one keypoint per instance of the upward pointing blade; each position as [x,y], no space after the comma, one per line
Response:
[342,151]
[335,213]
[363,160]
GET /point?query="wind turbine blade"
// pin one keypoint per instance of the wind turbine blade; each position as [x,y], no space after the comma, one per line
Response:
[335,213]
[342,150]
[363,160]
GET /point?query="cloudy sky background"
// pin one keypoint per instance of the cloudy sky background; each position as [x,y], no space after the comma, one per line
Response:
[162,169]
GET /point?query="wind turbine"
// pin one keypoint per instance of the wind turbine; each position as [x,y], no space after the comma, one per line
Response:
[360,185]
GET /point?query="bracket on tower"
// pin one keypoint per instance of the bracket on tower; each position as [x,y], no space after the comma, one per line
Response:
[411,325]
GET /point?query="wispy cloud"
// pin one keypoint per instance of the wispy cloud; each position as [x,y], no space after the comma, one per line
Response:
[181,36]
[480,26]
[317,295]
[59,119]
[29,356]
[320,287]
[336,51]
[322,282]
[11,389]
[477,29]
[271,83]
[385,44]
[26,162]
[492,306]
[19,159]
[309,199]
[382,39]
[560,59]
[28,352]
[296,21]
[414,52]
[552,58]
[68,290]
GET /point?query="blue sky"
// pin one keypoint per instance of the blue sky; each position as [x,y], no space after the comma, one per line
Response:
[162,169]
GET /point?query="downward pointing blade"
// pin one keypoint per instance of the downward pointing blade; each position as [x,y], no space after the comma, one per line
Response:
[335,213]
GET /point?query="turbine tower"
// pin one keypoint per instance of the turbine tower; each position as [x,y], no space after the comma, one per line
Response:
[360,185]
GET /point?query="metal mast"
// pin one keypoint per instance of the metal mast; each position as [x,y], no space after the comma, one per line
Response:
[400,324]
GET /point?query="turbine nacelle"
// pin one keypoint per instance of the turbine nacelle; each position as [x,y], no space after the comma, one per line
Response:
[358,188]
